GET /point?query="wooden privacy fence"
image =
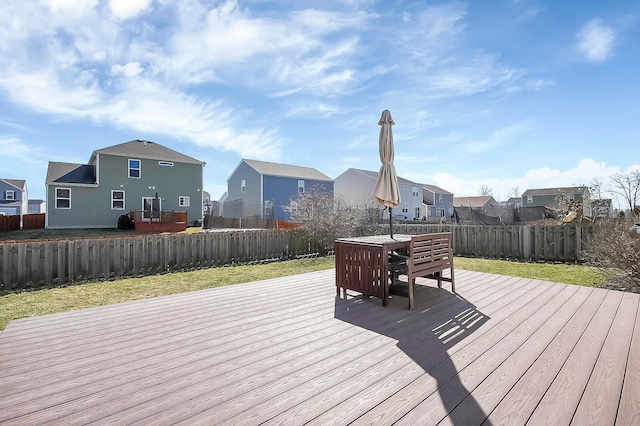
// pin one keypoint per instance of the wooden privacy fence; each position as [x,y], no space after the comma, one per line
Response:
[33,265]
[33,221]
[29,221]
[558,243]
[9,223]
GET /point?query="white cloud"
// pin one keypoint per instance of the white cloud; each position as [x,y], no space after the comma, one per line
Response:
[70,8]
[596,41]
[131,69]
[545,177]
[127,9]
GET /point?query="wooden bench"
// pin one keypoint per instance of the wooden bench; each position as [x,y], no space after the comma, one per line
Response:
[429,255]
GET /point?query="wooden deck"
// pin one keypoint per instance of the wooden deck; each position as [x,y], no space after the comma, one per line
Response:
[505,351]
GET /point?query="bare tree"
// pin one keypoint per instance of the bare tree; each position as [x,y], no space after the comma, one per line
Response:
[614,247]
[323,217]
[515,192]
[627,186]
[486,191]
[595,189]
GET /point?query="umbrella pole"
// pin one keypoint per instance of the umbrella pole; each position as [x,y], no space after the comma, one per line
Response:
[390,223]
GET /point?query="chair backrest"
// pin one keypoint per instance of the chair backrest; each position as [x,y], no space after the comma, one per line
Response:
[431,252]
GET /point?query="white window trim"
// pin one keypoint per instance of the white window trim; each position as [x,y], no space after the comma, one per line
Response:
[62,198]
[243,186]
[117,199]
[10,194]
[129,168]
[166,163]
[415,192]
[300,186]
[529,199]
[184,201]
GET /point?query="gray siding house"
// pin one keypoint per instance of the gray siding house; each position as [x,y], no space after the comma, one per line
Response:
[13,197]
[266,190]
[549,196]
[437,202]
[355,186]
[121,178]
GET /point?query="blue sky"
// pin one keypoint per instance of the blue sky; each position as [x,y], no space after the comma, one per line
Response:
[505,93]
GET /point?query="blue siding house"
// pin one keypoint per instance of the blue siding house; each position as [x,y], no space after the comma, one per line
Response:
[266,190]
[438,203]
[13,197]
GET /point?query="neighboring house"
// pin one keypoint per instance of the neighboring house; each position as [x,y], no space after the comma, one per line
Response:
[268,190]
[513,203]
[485,204]
[13,197]
[37,206]
[437,202]
[549,197]
[121,178]
[355,186]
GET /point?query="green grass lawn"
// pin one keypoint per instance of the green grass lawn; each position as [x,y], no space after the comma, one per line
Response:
[32,303]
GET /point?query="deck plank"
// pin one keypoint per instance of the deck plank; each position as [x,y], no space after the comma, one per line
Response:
[599,404]
[288,351]
[561,400]
[516,407]
[629,411]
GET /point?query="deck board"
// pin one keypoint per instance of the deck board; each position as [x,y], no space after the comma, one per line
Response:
[504,350]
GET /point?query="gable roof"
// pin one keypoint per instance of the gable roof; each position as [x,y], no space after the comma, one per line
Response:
[18,183]
[479,201]
[285,170]
[554,191]
[374,175]
[436,189]
[70,173]
[146,150]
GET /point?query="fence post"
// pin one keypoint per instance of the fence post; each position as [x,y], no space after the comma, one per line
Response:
[525,238]
[578,243]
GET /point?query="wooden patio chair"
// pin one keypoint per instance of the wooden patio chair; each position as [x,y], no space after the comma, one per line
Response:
[429,255]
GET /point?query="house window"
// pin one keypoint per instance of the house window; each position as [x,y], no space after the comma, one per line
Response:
[300,186]
[293,208]
[450,211]
[243,185]
[134,168]
[439,198]
[184,201]
[63,198]
[529,199]
[117,200]
[414,191]
[416,214]
[10,195]
[166,163]
[268,208]
[405,208]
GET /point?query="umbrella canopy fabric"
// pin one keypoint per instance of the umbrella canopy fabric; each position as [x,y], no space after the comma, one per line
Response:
[387,190]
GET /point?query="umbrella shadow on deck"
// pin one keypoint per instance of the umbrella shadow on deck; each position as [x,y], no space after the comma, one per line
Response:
[440,320]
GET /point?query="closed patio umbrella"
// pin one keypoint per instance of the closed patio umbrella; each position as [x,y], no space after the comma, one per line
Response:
[387,190]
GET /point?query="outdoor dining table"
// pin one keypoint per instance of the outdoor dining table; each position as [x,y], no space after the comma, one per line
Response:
[362,263]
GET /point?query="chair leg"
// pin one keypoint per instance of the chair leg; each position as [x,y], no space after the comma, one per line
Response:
[411,282]
[453,282]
